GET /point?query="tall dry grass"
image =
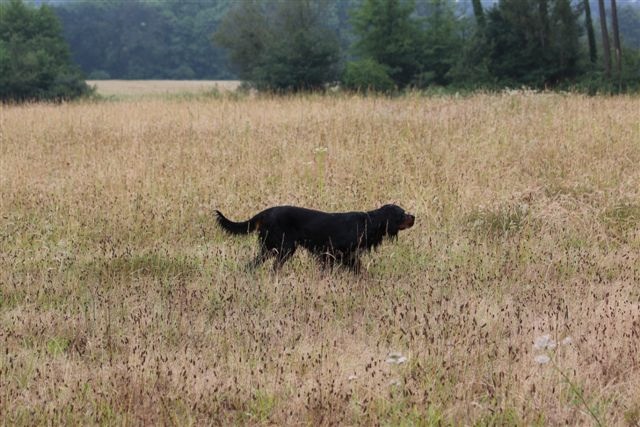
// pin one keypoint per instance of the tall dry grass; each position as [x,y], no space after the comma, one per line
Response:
[514,299]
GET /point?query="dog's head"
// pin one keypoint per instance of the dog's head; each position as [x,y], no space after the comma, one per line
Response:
[394,219]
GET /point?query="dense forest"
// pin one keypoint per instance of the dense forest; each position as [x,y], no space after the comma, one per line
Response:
[292,45]
[172,39]
[124,39]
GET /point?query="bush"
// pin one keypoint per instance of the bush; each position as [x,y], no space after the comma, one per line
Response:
[367,75]
[303,61]
[284,47]
[35,63]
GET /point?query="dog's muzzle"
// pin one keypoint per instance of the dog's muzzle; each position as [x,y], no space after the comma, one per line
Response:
[407,222]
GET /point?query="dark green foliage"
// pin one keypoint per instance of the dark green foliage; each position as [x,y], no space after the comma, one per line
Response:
[302,44]
[416,51]
[367,75]
[130,39]
[35,63]
[596,82]
[388,34]
[630,27]
[441,45]
[479,13]
[245,33]
[533,42]
[288,47]
[305,60]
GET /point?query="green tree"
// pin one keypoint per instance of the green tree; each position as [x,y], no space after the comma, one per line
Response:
[133,39]
[533,42]
[478,12]
[285,48]
[588,22]
[472,67]
[245,33]
[617,46]
[565,37]
[387,33]
[441,44]
[35,63]
[606,47]
[630,26]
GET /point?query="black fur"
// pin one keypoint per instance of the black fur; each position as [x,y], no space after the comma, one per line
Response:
[331,237]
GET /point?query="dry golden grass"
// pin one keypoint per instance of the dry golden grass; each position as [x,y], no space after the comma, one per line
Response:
[137,88]
[120,301]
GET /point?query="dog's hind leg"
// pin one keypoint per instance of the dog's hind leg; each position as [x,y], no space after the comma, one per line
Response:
[282,256]
[259,259]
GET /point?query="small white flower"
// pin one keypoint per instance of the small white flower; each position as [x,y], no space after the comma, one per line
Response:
[544,342]
[542,359]
[567,341]
[395,383]
[396,359]
[352,377]
[320,150]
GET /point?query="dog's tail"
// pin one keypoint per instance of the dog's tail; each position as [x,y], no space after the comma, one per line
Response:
[231,227]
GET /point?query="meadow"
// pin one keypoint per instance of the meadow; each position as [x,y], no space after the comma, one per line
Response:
[160,88]
[514,300]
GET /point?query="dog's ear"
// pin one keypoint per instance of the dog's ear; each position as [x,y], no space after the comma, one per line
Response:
[392,228]
[387,227]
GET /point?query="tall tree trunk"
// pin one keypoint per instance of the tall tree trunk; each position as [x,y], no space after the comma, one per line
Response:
[593,54]
[478,12]
[616,38]
[543,10]
[606,50]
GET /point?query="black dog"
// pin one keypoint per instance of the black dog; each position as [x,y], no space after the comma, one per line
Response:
[331,237]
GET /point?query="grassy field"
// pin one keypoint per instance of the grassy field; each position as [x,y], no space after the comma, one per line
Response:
[513,301]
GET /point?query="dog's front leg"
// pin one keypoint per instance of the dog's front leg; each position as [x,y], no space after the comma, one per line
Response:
[352,261]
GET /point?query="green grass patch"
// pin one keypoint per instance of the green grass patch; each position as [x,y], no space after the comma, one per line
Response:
[579,192]
[143,264]
[504,417]
[57,346]
[622,217]
[497,223]
[261,407]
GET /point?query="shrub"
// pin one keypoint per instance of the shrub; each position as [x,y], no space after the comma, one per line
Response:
[35,63]
[367,75]
[284,47]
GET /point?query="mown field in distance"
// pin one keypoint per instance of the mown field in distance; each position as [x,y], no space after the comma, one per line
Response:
[513,300]
[137,88]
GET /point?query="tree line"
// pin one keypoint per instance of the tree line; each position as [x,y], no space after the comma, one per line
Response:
[282,45]
[130,39]
[395,44]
